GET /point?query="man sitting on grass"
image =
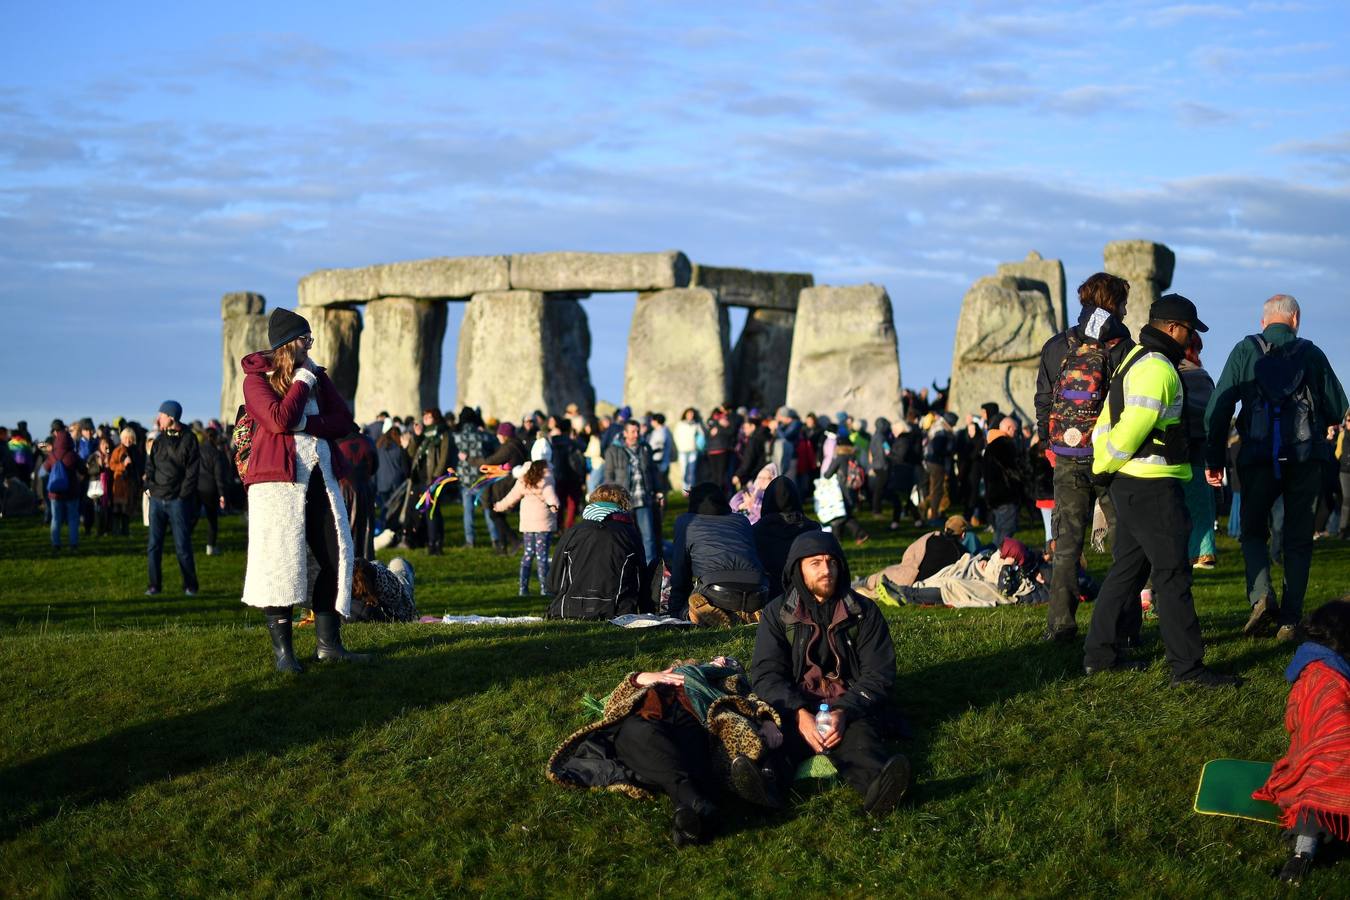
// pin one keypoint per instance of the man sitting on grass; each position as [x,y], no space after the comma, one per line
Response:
[823,645]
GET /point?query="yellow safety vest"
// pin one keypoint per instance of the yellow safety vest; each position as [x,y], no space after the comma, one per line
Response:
[1149,420]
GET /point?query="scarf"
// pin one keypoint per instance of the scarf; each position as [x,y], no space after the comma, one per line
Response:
[599,511]
[1311,652]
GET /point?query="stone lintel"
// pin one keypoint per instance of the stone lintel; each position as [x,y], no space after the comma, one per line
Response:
[440,278]
[575,271]
[751,288]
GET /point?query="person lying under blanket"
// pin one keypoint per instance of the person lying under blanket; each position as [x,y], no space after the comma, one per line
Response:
[1010,574]
[691,731]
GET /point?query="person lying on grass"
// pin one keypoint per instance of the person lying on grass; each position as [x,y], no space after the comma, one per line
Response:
[690,731]
[824,646]
[927,556]
[1010,574]
[1311,784]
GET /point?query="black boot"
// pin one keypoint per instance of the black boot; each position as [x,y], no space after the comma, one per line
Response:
[328,632]
[280,629]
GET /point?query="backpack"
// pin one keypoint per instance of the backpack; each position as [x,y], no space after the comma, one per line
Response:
[1078,395]
[242,441]
[806,457]
[58,479]
[856,477]
[1281,421]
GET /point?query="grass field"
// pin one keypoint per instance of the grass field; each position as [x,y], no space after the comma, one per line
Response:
[149,749]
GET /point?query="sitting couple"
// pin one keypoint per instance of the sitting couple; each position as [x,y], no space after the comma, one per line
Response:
[691,730]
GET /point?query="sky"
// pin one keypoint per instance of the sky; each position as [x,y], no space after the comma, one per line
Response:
[154,156]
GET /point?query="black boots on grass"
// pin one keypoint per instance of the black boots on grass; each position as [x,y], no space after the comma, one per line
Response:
[328,635]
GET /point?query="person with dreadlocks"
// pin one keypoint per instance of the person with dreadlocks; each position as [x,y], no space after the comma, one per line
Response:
[538,499]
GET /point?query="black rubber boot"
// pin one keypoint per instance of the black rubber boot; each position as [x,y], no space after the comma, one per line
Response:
[328,632]
[282,649]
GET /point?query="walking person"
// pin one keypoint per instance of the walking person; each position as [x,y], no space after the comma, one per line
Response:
[211,486]
[171,471]
[63,486]
[435,456]
[1071,385]
[1198,387]
[295,507]
[538,499]
[1141,450]
[1290,397]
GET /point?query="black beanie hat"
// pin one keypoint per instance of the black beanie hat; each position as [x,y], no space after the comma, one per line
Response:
[284,326]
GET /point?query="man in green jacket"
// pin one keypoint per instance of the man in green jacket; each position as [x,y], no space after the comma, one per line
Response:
[1284,450]
[1141,449]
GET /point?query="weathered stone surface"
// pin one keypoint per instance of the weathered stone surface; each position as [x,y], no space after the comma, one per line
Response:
[400,357]
[747,287]
[337,346]
[844,353]
[243,329]
[242,303]
[449,277]
[760,360]
[1047,274]
[679,352]
[1148,268]
[999,336]
[522,350]
[599,271]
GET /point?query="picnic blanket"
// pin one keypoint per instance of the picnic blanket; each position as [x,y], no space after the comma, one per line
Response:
[648,620]
[448,619]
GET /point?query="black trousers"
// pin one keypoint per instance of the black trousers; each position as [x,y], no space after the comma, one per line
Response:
[859,756]
[1299,485]
[321,536]
[211,504]
[1152,528]
[670,754]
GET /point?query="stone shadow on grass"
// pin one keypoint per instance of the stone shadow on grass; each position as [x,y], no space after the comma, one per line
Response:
[328,701]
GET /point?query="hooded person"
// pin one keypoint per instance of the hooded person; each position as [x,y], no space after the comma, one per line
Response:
[715,574]
[299,538]
[823,650]
[599,570]
[781,520]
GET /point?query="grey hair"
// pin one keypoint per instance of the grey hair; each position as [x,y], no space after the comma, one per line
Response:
[1281,306]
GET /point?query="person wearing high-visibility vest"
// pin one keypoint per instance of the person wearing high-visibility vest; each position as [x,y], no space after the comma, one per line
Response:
[1141,450]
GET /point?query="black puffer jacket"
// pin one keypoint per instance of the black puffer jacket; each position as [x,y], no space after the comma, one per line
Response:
[781,520]
[863,641]
[599,571]
[171,468]
[712,545]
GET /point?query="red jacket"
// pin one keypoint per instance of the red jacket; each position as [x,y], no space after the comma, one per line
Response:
[272,457]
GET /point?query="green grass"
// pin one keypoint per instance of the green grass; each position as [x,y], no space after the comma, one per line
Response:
[148,749]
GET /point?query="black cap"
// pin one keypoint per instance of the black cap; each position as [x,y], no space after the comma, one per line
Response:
[284,326]
[1176,308]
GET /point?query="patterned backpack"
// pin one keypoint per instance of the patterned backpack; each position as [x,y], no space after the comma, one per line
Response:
[1079,393]
[242,441]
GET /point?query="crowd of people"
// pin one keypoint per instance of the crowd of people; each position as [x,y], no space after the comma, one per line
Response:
[1131,442]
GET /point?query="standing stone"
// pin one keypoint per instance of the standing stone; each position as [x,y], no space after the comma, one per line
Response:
[760,360]
[243,330]
[679,352]
[998,347]
[1148,268]
[844,353]
[522,350]
[1036,272]
[337,346]
[400,357]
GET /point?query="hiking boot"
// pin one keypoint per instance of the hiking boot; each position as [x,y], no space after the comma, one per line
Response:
[1286,634]
[283,650]
[888,788]
[1207,561]
[1120,665]
[1207,677]
[1296,869]
[753,784]
[687,827]
[328,633]
[1264,613]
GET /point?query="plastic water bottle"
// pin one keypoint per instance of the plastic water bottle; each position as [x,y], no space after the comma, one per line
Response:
[824,722]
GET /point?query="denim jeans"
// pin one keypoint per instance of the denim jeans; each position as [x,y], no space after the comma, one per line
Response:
[469,498]
[595,478]
[645,517]
[175,514]
[689,468]
[67,511]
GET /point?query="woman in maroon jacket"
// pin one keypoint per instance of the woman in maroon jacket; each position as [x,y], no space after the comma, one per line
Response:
[65,503]
[294,502]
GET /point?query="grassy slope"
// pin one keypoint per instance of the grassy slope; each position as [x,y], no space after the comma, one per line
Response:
[147,748]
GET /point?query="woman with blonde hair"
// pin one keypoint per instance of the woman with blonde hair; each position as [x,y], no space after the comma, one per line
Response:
[126,482]
[296,512]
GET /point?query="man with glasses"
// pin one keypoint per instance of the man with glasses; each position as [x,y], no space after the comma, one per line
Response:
[1290,398]
[1141,451]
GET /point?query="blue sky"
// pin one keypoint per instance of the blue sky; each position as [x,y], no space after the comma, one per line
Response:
[155,156]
